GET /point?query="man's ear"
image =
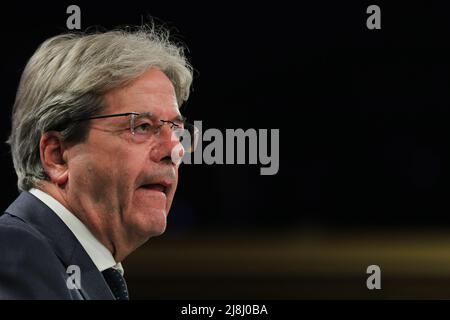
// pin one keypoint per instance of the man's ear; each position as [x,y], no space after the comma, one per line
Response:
[54,157]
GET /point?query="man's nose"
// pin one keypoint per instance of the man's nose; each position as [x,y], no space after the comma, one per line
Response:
[166,143]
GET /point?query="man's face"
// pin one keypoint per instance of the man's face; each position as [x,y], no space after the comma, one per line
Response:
[127,187]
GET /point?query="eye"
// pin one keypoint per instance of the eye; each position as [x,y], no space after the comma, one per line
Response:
[142,127]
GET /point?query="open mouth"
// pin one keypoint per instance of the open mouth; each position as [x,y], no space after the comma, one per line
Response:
[155,187]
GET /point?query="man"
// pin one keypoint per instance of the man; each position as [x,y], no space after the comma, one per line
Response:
[92,144]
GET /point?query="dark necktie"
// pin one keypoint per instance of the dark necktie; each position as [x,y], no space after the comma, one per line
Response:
[116,283]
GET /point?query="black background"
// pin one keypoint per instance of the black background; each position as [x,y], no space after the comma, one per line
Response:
[363,114]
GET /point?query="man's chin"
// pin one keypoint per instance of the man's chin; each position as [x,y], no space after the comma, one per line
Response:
[151,228]
[157,230]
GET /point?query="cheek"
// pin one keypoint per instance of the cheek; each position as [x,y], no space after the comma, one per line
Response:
[97,183]
[107,179]
[127,165]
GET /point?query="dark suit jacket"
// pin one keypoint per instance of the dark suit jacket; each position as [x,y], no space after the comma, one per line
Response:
[36,248]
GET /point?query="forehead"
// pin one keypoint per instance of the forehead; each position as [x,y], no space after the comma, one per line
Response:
[151,92]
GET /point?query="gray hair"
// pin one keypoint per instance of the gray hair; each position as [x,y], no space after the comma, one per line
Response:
[67,77]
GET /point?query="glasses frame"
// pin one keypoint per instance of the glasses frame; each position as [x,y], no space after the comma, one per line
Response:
[193,131]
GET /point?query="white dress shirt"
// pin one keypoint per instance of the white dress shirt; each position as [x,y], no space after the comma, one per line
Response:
[98,253]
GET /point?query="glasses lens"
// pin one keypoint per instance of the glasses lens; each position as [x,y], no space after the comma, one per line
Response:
[142,127]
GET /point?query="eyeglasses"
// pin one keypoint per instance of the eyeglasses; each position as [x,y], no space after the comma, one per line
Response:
[145,125]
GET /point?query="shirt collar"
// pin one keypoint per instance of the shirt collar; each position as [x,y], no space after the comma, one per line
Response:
[98,253]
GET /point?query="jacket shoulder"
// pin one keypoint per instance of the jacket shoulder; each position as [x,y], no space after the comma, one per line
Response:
[29,268]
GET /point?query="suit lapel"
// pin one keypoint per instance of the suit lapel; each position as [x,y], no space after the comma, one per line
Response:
[34,212]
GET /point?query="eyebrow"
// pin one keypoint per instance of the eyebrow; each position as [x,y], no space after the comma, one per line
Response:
[177,118]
